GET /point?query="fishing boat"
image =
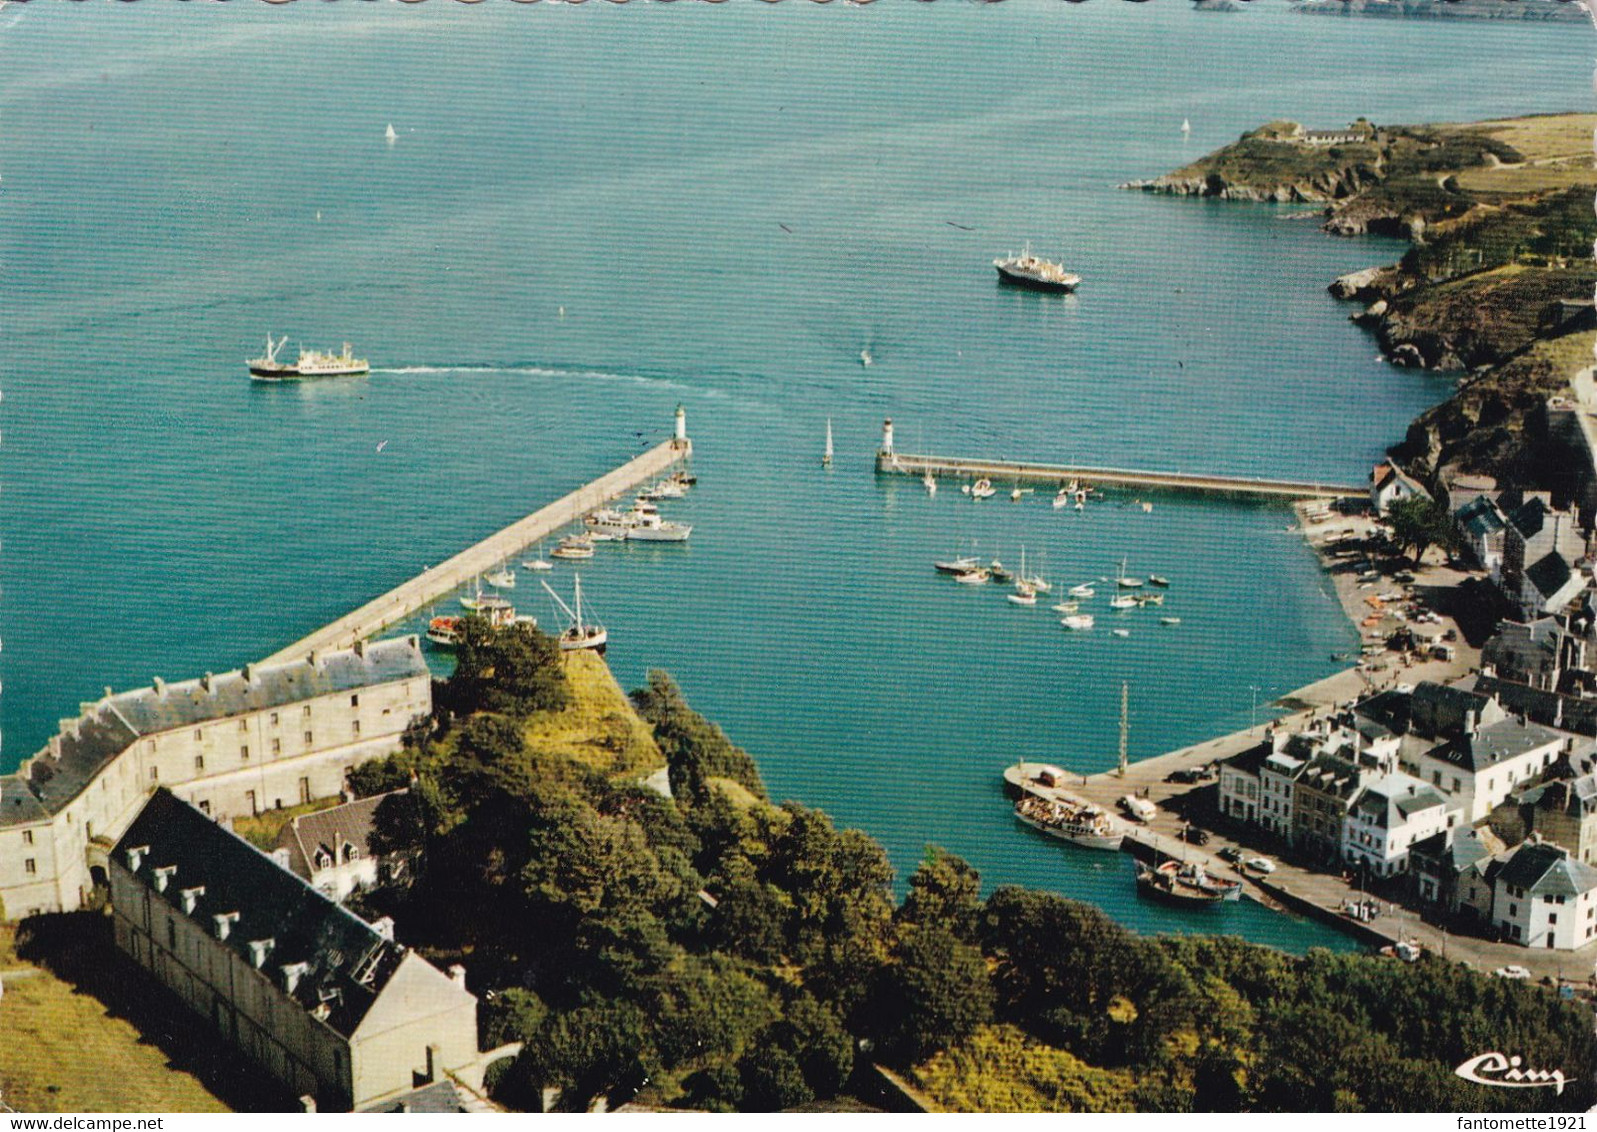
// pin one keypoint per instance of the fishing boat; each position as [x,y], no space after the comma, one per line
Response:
[1187,884]
[573,547]
[826,457]
[1067,607]
[578,633]
[1126,581]
[1076,823]
[999,571]
[956,566]
[311,363]
[1123,601]
[1083,590]
[983,489]
[1027,270]
[976,577]
[1156,580]
[1077,622]
[504,579]
[930,482]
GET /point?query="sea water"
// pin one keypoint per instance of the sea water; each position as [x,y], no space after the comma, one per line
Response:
[592,214]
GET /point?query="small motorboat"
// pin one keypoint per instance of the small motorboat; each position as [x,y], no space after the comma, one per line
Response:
[1083,590]
[1120,632]
[930,482]
[1169,620]
[1123,601]
[976,577]
[999,571]
[983,489]
[1068,607]
[503,579]
[1156,580]
[1079,622]
[537,565]
[1150,599]
[1062,500]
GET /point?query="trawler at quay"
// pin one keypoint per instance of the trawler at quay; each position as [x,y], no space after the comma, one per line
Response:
[311,363]
[1027,270]
[1077,823]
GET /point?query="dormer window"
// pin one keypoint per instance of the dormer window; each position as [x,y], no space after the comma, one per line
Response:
[323,859]
[351,854]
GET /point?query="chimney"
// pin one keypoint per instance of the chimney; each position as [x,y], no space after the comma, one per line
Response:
[1472,722]
[457,975]
[259,950]
[136,855]
[160,686]
[163,875]
[280,856]
[292,973]
[191,897]
[307,1103]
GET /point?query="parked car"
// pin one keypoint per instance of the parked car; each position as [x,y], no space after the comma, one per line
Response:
[1195,836]
[1260,864]
[1512,971]
[1231,853]
[1185,775]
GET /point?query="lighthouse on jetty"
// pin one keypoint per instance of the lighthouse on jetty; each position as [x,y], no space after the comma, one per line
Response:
[886,456]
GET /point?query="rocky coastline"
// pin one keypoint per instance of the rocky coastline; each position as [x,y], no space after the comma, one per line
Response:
[1498,279]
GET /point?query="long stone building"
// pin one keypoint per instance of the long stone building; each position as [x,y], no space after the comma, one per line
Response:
[327,1004]
[263,737]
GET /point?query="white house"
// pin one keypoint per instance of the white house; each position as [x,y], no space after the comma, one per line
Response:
[1388,816]
[1239,782]
[1389,484]
[1542,897]
[332,850]
[1480,767]
[1277,774]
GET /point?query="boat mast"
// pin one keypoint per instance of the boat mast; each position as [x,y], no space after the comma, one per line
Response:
[826,460]
[1125,695]
[580,633]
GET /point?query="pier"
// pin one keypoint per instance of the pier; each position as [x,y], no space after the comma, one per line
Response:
[421,591]
[892,462]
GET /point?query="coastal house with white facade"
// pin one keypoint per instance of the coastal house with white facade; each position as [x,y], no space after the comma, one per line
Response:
[1543,897]
[1387,817]
[332,849]
[1390,484]
[1239,782]
[327,1004]
[260,738]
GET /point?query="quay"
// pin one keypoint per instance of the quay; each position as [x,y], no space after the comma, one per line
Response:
[891,462]
[421,591]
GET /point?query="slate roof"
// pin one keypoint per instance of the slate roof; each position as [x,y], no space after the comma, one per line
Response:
[1331,775]
[1546,870]
[1436,709]
[330,829]
[1479,518]
[1392,799]
[1523,647]
[1249,761]
[1529,517]
[18,806]
[347,961]
[1550,574]
[109,726]
[1467,849]
[1494,743]
[440,1096]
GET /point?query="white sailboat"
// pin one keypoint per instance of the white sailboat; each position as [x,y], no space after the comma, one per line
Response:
[503,579]
[930,482]
[1061,500]
[1077,622]
[1083,590]
[1186,127]
[579,634]
[539,564]
[390,134]
[826,457]
[1124,580]
[1035,581]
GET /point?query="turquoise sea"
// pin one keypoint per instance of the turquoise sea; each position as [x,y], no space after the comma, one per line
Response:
[595,213]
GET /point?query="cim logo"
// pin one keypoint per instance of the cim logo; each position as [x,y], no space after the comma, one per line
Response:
[1504,1072]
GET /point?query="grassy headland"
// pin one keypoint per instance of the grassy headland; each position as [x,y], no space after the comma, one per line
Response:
[1499,218]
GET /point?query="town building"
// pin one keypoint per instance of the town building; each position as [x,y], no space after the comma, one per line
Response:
[1390,484]
[1527,652]
[1543,897]
[1483,528]
[1322,794]
[1386,818]
[1277,774]
[1449,869]
[327,1004]
[1239,782]
[260,738]
[332,849]
[1541,549]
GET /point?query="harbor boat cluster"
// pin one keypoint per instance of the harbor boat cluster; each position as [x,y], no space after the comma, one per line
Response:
[969,570]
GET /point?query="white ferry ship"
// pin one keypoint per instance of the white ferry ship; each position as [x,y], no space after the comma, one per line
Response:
[1027,270]
[311,363]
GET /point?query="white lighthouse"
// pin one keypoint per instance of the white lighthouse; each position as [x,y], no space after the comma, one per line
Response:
[887,437]
[682,427]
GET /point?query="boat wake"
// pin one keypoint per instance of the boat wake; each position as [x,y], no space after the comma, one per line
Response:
[554,372]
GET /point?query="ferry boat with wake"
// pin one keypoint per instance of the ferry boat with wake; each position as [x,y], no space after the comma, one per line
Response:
[311,363]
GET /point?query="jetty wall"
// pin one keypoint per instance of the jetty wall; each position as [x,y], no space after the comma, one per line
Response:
[1004,471]
[486,556]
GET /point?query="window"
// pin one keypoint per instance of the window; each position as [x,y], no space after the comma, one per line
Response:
[244,753]
[354,701]
[199,762]
[171,932]
[205,807]
[306,711]
[1552,917]
[27,837]
[1513,909]
[243,725]
[155,773]
[308,739]
[29,867]
[277,746]
[199,733]
[1436,778]
[1455,784]
[357,727]
[274,719]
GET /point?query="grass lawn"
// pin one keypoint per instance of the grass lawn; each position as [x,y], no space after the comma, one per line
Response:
[1557,149]
[64,1050]
[600,729]
[261,830]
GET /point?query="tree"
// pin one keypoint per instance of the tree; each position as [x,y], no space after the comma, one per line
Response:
[772,1080]
[513,669]
[944,890]
[934,994]
[1419,523]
